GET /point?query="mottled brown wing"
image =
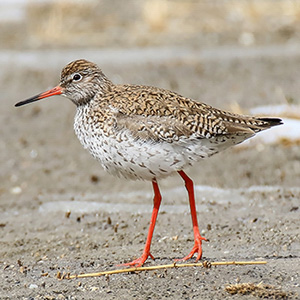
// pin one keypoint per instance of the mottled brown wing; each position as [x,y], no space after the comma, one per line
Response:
[152,128]
[160,115]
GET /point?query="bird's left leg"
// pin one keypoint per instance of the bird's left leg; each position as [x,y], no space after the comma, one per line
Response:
[146,253]
[198,238]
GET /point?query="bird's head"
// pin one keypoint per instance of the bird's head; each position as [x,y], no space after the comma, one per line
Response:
[80,81]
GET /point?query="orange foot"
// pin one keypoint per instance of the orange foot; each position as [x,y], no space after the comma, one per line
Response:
[139,261]
[197,248]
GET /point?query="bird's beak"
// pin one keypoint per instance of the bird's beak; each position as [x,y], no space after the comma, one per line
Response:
[55,91]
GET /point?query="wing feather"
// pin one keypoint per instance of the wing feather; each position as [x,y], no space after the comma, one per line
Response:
[155,114]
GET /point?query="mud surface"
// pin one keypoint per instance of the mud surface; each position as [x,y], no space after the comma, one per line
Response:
[60,212]
[247,199]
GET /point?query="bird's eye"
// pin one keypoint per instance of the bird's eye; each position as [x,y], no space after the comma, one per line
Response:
[77,77]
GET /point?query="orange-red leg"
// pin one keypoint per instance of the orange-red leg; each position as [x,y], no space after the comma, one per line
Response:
[198,238]
[146,253]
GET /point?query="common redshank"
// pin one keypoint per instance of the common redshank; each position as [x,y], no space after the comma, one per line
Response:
[145,132]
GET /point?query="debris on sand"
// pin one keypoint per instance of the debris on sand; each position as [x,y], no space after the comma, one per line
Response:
[260,290]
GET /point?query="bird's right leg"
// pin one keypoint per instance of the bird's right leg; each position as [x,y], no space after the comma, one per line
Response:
[146,253]
[197,237]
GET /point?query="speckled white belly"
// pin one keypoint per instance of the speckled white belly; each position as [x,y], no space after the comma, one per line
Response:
[122,155]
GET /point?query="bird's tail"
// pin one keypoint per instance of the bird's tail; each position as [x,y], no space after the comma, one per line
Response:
[266,123]
[270,122]
[253,125]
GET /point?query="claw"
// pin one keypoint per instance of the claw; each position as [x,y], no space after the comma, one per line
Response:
[197,248]
[139,261]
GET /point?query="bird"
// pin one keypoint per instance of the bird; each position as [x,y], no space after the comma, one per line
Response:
[147,133]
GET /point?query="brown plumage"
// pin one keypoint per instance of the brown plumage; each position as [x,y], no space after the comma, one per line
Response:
[143,132]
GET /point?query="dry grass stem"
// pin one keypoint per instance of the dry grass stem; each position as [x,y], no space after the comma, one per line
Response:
[204,264]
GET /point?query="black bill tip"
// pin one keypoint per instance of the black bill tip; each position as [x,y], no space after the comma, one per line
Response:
[29,100]
[55,91]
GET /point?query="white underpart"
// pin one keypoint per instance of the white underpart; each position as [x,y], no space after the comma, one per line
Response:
[122,155]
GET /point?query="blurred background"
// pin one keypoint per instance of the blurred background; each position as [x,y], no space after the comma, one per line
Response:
[236,55]
[36,24]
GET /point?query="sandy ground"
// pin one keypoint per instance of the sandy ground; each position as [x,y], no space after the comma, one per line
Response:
[247,198]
